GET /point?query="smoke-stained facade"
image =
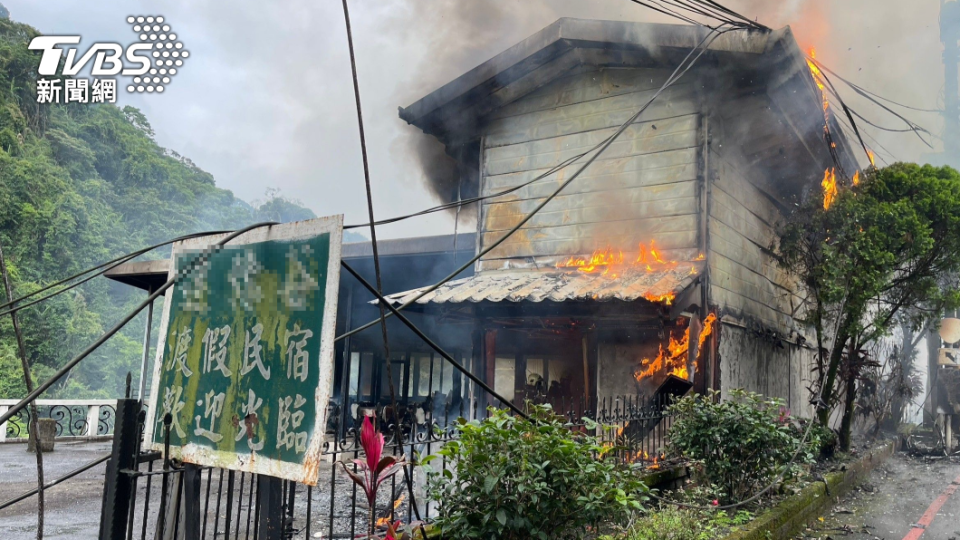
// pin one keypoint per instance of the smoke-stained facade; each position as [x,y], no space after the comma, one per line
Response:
[612,283]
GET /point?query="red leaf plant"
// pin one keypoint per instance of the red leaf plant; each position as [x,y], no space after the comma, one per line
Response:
[395,532]
[375,468]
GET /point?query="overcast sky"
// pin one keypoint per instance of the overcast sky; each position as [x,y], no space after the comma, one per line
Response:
[265,99]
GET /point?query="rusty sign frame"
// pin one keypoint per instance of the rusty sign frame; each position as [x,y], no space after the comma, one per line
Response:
[306,471]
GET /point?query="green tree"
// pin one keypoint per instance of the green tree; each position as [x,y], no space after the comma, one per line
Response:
[889,246]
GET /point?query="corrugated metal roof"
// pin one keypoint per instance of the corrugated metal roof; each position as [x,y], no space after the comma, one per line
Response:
[560,285]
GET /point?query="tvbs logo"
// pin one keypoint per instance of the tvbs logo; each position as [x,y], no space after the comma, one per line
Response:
[150,64]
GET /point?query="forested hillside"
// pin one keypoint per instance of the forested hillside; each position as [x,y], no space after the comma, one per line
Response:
[79,185]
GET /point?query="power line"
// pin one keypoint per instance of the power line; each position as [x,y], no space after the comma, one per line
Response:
[384,302]
[464,202]
[119,260]
[878,96]
[668,13]
[701,8]
[201,259]
[376,255]
[914,127]
[110,265]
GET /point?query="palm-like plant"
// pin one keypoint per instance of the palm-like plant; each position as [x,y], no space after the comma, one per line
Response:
[374,469]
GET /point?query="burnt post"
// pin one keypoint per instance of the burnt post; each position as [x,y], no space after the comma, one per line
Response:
[117,483]
[270,496]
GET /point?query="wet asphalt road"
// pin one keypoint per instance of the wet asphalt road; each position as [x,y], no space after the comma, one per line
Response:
[73,508]
[893,500]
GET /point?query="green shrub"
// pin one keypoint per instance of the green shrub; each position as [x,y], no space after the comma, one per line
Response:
[821,441]
[741,444]
[509,478]
[680,524]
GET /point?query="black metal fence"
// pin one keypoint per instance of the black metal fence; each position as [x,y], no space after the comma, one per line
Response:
[219,504]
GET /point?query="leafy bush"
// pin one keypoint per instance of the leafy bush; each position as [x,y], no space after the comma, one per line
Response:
[821,442]
[515,479]
[741,443]
[679,524]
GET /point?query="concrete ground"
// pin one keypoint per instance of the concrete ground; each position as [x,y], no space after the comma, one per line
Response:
[893,500]
[72,508]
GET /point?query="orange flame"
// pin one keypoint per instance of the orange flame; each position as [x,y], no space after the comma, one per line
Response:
[856,178]
[606,258]
[707,330]
[609,261]
[385,520]
[666,299]
[674,359]
[654,253]
[870,155]
[818,78]
[829,187]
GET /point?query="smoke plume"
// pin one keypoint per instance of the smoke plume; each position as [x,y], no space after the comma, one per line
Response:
[887,46]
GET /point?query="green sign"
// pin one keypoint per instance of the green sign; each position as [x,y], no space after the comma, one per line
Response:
[245,368]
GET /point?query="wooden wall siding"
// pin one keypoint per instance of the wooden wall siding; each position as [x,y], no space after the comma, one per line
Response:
[644,187]
[758,365]
[575,88]
[745,278]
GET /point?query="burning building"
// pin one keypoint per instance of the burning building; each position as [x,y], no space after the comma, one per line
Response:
[659,259]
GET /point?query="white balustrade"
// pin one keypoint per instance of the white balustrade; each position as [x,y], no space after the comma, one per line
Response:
[77,418]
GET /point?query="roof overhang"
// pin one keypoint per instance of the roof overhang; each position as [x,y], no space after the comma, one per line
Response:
[659,286]
[558,48]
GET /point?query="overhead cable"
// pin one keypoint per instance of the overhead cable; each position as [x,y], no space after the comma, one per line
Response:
[111,264]
[201,259]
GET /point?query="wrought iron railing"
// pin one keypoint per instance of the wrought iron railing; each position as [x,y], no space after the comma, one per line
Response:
[335,508]
[76,418]
[218,504]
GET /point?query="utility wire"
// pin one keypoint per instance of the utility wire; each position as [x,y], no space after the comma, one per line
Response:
[679,72]
[704,11]
[201,259]
[384,302]
[916,128]
[753,24]
[669,13]
[701,8]
[111,264]
[878,144]
[456,204]
[48,485]
[878,96]
[376,264]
